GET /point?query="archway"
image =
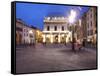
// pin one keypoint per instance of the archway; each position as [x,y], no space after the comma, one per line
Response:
[56,39]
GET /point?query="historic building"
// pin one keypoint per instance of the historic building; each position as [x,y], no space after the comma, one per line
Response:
[91,25]
[84,27]
[24,34]
[78,30]
[39,38]
[28,35]
[19,31]
[56,30]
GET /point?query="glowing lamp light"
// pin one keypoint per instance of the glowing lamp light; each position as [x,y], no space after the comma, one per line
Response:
[30,31]
[72,16]
[62,35]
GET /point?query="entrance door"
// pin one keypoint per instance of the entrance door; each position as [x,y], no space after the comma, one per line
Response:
[56,39]
[47,40]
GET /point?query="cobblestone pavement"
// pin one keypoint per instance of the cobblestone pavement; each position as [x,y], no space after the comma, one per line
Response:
[55,57]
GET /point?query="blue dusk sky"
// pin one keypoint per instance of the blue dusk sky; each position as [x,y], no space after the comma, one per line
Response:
[33,14]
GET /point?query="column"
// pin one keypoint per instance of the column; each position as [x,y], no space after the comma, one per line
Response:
[44,38]
[59,38]
[51,38]
[67,39]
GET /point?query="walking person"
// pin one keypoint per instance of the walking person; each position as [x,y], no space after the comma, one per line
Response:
[79,44]
[83,44]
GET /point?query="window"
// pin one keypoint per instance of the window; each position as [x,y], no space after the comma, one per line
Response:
[88,33]
[91,10]
[24,30]
[91,14]
[27,34]
[48,28]
[27,30]
[91,23]
[88,25]
[24,34]
[18,29]
[91,32]
[55,28]
[62,28]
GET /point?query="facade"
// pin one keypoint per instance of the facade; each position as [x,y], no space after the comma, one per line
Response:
[78,30]
[24,34]
[84,26]
[56,30]
[39,38]
[19,31]
[28,36]
[91,25]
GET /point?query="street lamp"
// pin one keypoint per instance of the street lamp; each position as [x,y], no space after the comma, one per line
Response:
[72,18]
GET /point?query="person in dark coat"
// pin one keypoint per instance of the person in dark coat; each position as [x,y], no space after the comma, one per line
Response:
[83,44]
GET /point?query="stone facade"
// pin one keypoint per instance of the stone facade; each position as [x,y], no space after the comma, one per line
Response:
[56,30]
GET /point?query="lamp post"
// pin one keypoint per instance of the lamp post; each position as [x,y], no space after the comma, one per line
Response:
[72,18]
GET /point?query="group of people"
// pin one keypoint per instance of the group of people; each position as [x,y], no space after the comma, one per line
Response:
[79,44]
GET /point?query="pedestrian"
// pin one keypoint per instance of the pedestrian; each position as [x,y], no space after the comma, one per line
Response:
[79,44]
[83,43]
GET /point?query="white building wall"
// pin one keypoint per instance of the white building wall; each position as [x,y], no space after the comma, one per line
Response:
[59,31]
[26,35]
[52,27]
